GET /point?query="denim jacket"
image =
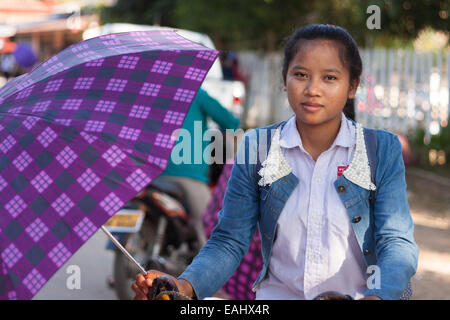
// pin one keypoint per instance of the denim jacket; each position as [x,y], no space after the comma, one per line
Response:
[384,234]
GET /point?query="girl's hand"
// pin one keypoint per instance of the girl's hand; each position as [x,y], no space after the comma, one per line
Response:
[144,282]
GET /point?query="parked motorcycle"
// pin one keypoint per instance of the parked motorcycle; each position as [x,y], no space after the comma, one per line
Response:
[155,228]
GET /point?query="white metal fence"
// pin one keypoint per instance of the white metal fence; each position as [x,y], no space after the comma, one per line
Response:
[404,90]
[400,90]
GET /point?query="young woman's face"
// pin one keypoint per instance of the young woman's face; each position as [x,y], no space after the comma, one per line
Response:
[317,83]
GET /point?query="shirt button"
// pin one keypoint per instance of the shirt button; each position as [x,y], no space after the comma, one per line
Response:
[367,251]
[356,219]
[341,189]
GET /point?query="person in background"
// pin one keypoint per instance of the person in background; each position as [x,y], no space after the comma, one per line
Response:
[239,286]
[7,64]
[231,69]
[227,66]
[193,177]
[238,75]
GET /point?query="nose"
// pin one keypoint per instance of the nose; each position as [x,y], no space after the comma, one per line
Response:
[313,87]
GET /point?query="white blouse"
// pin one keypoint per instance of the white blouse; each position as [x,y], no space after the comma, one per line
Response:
[315,249]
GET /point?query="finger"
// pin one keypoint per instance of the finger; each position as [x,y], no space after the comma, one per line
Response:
[141,286]
[140,294]
[141,281]
[151,275]
[136,288]
[140,277]
[140,297]
[149,282]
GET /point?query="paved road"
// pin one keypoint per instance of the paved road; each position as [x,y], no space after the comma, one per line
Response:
[429,198]
[94,263]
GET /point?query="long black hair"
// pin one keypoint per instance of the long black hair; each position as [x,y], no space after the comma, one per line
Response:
[348,52]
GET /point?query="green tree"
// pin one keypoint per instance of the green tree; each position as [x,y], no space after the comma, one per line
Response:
[252,23]
[150,12]
[264,24]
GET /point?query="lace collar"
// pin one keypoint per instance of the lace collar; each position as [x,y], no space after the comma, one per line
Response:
[275,166]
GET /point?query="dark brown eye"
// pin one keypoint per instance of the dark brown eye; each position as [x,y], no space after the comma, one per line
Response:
[300,74]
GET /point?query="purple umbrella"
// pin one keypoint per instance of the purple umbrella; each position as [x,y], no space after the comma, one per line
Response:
[80,135]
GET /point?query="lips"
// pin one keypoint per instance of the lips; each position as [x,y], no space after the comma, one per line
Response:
[309,106]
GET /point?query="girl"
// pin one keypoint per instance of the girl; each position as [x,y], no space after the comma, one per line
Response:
[311,198]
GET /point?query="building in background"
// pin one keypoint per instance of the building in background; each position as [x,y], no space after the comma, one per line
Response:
[47,25]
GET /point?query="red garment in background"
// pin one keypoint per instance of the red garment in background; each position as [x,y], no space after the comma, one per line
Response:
[239,286]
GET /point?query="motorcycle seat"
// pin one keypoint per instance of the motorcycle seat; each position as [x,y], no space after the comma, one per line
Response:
[168,186]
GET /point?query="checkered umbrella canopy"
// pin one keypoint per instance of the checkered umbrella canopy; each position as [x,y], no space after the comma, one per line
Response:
[80,135]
